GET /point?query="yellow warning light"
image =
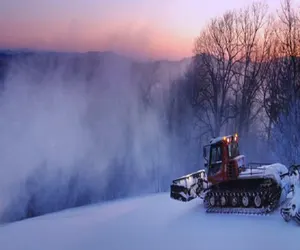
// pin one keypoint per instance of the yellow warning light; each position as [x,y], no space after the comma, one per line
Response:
[235,136]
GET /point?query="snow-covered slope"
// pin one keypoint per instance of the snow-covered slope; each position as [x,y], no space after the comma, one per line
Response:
[154,222]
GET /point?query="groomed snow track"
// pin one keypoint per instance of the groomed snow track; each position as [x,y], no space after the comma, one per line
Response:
[148,223]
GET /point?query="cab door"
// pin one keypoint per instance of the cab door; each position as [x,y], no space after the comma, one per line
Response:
[215,172]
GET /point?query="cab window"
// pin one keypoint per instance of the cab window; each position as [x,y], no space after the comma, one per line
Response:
[233,150]
[216,154]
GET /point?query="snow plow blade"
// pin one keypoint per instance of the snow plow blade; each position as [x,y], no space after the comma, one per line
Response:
[188,187]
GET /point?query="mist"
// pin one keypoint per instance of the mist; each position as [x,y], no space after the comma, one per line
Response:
[74,134]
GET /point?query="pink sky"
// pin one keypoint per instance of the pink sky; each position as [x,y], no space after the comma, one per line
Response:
[140,28]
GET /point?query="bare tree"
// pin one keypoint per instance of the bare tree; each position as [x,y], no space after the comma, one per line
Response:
[283,79]
[286,136]
[145,76]
[272,89]
[217,50]
[288,34]
[255,41]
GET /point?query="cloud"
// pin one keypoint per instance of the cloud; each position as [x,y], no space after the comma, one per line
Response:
[137,38]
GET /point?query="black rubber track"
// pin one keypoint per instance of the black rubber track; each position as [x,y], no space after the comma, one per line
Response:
[269,193]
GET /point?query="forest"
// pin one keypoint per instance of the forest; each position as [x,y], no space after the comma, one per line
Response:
[245,78]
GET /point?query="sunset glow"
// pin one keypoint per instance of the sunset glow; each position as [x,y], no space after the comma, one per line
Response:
[146,28]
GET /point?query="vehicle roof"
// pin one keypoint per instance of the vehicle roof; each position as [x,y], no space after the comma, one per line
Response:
[218,139]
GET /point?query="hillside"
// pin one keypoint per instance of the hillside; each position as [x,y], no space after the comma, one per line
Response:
[87,62]
[153,222]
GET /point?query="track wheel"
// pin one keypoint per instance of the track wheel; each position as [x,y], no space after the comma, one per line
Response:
[234,201]
[223,201]
[258,201]
[212,200]
[245,200]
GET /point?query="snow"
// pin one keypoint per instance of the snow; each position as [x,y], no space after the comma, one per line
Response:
[296,198]
[218,139]
[215,140]
[276,170]
[240,159]
[273,170]
[152,222]
[189,180]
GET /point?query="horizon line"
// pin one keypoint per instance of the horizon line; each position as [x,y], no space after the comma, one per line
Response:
[127,55]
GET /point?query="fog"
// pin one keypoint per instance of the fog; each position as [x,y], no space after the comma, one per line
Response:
[68,141]
[83,128]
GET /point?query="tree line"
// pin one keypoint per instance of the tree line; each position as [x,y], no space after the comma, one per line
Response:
[245,77]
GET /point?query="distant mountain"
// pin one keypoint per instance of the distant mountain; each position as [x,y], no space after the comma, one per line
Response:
[86,62]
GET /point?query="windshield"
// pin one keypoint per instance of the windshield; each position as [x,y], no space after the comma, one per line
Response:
[216,154]
[233,149]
